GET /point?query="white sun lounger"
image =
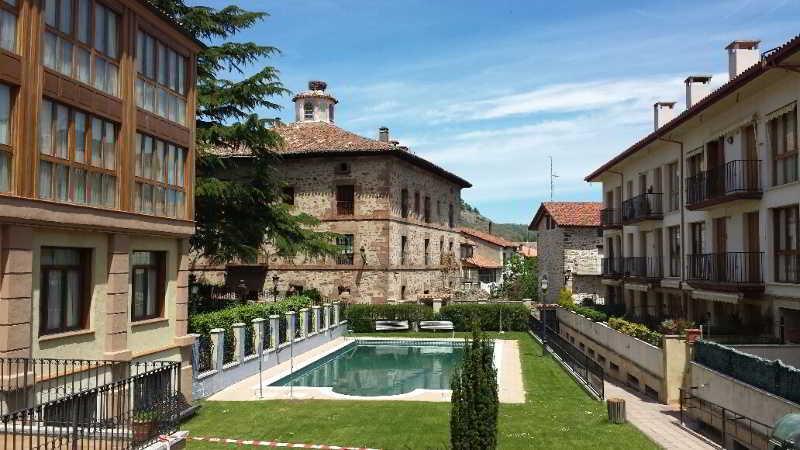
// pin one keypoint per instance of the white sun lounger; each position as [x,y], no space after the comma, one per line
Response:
[391,325]
[437,325]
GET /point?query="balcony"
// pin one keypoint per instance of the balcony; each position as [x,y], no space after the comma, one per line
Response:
[647,206]
[610,218]
[612,267]
[730,271]
[345,208]
[734,180]
[644,268]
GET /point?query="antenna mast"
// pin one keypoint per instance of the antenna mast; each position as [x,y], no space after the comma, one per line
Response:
[552,178]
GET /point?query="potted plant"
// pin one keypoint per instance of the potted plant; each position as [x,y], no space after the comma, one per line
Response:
[145,424]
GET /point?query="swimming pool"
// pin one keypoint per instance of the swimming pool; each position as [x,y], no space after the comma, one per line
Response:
[372,368]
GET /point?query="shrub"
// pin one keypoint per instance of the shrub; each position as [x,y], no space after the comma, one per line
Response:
[565,298]
[636,330]
[361,317]
[591,313]
[314,295]
[515,316]
[473,415]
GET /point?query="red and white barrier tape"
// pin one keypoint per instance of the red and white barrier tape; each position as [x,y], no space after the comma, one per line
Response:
[257,443]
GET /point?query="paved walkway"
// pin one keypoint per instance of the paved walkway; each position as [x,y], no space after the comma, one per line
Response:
[661,423]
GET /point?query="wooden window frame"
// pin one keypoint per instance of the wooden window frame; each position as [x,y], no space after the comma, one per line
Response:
[71,162]
[140,179]
[8,149]
[155,84]
[13,10]
[72,38]
[787,253]
[341,202]
[788,154]
[160,265]
[346,244]
[84,269]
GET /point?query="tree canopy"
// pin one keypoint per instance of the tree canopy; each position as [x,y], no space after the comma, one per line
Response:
[235,215]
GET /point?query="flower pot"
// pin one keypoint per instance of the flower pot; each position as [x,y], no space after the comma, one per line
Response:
[144,430]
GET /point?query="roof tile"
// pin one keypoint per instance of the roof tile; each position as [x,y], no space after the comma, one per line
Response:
[570,214]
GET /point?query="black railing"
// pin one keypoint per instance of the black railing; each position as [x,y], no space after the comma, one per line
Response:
[585,368]
[612,267]
[733,177]
[205,354]
[68,404]
[644,267]
[345,208]
[721,424]
[345,259]
[610,217]
[729,267]
[647,206]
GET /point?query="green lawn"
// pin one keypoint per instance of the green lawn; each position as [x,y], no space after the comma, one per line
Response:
[558,414]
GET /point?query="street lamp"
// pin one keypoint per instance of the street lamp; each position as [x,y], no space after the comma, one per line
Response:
[275,279]
[543,283]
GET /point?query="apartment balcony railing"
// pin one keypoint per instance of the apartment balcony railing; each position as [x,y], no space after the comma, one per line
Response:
[733,271]
[612,267]
[345,208]
[611,218]
[644,267]
[647,206]
[73,403]
[733,180]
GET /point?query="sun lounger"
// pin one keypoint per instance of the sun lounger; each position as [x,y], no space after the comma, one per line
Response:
[437,325]
[391,325]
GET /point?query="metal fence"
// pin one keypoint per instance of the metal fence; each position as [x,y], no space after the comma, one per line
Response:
[205,353]
[590,373]
[71,404]
[722,425]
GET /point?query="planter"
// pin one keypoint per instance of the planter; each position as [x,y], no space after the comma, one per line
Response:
[143,430]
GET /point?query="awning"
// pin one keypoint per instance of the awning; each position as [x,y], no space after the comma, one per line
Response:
[716,296]
[637,287]
[780,111]
[733,128]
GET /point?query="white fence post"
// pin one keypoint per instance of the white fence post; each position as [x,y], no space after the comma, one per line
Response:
[274,330]
[304,325]
[291,326]
[327,316]
[238,344]
[258,329]
[315,320]
[218,341]
[337,313]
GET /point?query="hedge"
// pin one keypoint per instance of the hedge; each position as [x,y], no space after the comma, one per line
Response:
[771,376]
[203,323]
[636,330]
[515,316]
[361,317]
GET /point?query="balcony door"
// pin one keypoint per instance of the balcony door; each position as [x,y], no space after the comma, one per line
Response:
[752,245]
[751,166]
[721,248]
[715,173]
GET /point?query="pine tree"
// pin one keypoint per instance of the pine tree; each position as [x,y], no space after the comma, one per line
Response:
[235,212]
[473,415]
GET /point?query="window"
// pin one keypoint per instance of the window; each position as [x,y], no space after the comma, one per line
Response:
[64,287]
[77,156]
[5,138]
[288,195]
[450,247]
[698,230]
[82,48]
[417,209]
[787,250]
[345,200]
[161,84]
[330,113]
[404,203]
[674,186]
[148,280]
[674,236]
[466,251]
[450,218]
[438,210]
[487,276]
[783,144]
[308,111]
[8,25]
[403,241]
[441,248]
[427,251]
[427,209]
[345,244]
[402,292]
[160,177]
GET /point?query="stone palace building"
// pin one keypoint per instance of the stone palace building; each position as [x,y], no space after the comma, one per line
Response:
[396,214]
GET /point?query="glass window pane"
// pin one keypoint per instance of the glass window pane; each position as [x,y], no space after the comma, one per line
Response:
[139,93]
[99,73]
[150,57]
[45,128]
[172,109]
[139,292]
[60,180]
[95,189]
[45,179]
[162,63]
[65,58]
[147,199]
[170,161]
[143,258]
[158,161]
[65,16]
[62,132]
[5,113]
[170,203]
[53,304]
[159,200]
[80,136]
[179,204]
[99,28]
[73,297]
[152,294]
[109,142]
[111,35]
[149,96]
[180,166]
[172,70]
[109,191]
[77,181]
[97,142]
[162,102]
[147,158]
[50,8]
[49,57]
[139,51]
[8,31]
[111,79]
[5,172]
[182,111]
[83,58]
[84,20]
[182,75]
[138,162]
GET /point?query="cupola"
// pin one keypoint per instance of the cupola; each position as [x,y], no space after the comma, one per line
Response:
[315,104]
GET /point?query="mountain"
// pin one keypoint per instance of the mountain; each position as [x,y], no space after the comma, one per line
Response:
[516,232]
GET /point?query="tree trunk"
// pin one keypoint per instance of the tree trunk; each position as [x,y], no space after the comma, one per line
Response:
[616,410]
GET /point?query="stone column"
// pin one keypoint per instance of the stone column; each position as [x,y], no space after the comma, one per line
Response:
[304,322]
[274,330]
[291,326]
[238,343]
[326,318]
[315,318]
[218,342]
[260,336]
[117,314]
[437,305]
[337,312]
[16,290]
[182,295]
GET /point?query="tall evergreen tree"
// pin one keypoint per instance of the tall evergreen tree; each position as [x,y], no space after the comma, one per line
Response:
[236,214]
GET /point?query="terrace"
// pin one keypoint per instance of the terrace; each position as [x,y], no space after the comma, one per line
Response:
[728,182]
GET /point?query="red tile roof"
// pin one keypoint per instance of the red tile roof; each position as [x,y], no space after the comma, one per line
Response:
[481,262]
[491,238]
[528,252]
[769,60]
[569,214]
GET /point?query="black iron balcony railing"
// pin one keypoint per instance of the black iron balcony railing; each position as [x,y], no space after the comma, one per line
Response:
[644,267]
[610,218]
[72,403]
[737,268]
[345,208]
[734,179]
[612,267]
[647,206]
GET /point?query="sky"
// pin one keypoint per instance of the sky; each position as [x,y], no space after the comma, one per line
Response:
[490,90]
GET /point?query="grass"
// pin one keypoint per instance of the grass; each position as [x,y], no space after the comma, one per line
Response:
[557,414]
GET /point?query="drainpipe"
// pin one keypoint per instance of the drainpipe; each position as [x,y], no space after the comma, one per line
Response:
[683,217]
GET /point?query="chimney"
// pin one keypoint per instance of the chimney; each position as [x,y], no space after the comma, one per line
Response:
[697,87]
[316,85]
[663,112]
[741,55]
[383,134]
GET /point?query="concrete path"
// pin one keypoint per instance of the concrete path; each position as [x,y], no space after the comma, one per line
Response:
[661,423]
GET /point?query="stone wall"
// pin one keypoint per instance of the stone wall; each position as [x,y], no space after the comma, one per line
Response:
[551,261]
[574,249]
